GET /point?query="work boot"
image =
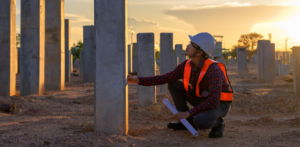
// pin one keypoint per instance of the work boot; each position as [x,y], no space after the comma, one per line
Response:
[217,132]
[180,126]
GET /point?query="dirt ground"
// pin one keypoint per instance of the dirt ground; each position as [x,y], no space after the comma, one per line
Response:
[267,117]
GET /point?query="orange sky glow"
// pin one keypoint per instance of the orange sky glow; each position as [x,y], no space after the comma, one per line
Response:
[189,17]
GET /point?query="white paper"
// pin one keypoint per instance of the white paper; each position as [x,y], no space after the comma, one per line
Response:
[183,121]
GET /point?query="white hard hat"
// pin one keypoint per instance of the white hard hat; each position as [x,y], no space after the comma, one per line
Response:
[206,42]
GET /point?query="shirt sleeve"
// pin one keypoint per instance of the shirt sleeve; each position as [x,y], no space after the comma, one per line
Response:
[215,77]
[171,76]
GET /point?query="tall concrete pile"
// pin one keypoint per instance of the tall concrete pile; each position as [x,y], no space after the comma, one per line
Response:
[266,61]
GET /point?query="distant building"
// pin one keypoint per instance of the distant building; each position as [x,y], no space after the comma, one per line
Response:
[218,51]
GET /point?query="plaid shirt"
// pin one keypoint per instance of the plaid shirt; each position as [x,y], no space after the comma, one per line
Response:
[213,82]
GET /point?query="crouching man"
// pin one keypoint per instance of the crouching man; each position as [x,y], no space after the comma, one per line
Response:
[205,85]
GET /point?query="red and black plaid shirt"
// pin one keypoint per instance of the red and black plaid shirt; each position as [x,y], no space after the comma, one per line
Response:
[213,82]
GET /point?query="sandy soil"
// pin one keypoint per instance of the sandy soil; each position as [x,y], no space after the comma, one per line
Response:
[268,117]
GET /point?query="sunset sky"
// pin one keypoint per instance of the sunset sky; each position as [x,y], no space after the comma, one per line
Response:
[189,17]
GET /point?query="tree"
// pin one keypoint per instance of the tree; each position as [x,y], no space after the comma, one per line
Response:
[76,48]
[233,52]
[157,55]
[18,40]
[249,40]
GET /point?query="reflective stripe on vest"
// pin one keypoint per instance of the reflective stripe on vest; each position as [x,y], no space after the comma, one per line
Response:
[225,96]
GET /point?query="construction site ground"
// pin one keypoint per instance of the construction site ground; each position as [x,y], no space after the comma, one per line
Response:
[269,116]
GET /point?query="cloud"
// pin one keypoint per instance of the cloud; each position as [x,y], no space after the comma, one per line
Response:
[175,19]
[77,18]
[88,1]
[171,2]
[140,24]
[227,4]
[145,26]
[231,19]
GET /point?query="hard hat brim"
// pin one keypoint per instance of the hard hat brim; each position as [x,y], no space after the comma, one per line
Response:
[191,37]
[193,40]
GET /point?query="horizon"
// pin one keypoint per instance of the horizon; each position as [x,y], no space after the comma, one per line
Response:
[228,19]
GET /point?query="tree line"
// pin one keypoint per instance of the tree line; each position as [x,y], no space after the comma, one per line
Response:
[249,41]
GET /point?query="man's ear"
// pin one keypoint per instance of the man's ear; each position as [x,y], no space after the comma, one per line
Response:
[200,53]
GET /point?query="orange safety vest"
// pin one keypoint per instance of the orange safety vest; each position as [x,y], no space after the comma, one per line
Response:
[225,96]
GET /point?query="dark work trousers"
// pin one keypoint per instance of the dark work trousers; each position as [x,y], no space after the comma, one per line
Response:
[204,120]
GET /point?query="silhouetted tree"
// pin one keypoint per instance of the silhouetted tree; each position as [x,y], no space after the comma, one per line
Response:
[250,40]
[18,40]
[233,52]
[76,48]
[157,55]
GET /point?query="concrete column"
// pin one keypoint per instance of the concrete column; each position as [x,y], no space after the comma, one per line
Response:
[266,61]
[233,61]
[296,76]
[269,64]
[284,58]
[67,50]
[129,58]
[184,57]
[111,88]
[296,52]
[277,63]
[146,63]
[255,58]
[242,60]
[71,62]
[287,58]
[89,53]
[54,45]
[8,54]
[16,60]
[221,59]
[19,59]
[174,61]
[251,60]
[178,53]
[135,65]
[81,60]
[32,68]
[283,70]
[166,56]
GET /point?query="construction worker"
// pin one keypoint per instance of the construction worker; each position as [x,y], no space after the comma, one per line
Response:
[205,85]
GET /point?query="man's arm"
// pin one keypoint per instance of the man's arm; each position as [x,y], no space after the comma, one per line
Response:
[174,75]
[216,78]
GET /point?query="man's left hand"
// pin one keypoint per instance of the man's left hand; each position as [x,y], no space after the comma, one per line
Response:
[182,115]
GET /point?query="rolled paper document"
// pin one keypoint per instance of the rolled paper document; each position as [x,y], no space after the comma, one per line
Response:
[183,121]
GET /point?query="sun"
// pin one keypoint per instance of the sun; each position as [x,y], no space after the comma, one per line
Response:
[296,2]
[281,30]
[292,26]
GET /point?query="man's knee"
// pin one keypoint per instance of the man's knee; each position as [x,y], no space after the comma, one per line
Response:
[202,123]
[176,85]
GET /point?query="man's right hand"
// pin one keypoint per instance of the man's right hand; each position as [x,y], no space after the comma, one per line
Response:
[132,79]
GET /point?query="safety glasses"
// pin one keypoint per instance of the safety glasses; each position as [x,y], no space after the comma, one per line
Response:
[194,46]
